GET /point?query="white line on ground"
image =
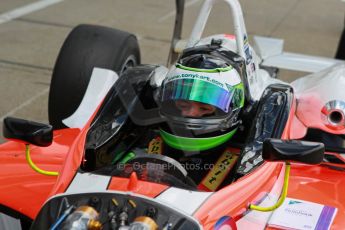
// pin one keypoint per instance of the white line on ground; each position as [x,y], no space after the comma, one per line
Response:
[26,103]
[16,13]
[172,13]
[21,11]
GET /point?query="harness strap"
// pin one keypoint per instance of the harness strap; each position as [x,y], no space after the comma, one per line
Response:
[219,171]
[155,146]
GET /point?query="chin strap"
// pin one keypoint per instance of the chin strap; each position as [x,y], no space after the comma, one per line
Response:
[34,167]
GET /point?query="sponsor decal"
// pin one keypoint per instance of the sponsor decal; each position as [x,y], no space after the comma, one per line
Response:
[304,215]
[294,202]
[246,49]
[220,79]
[195,76]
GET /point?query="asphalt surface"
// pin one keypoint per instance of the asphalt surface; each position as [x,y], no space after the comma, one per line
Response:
[30,38]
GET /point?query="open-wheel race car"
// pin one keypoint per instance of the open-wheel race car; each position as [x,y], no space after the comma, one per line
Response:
[113,156]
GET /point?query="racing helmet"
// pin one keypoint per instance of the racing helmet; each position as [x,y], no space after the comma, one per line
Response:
[208,83]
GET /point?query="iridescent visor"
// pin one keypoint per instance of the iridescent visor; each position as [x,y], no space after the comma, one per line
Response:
[198,90]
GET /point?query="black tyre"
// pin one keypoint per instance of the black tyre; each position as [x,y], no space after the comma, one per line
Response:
[86,47]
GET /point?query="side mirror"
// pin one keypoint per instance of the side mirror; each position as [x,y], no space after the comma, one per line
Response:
[28,132]
[292,150]
[289,150]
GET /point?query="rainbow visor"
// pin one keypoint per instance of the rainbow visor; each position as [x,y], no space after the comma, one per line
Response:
[200,91]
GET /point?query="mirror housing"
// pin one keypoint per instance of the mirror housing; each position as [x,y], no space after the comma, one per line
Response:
[293,150]
[28,132]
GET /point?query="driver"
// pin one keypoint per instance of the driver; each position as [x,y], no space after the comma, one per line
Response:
[201,98]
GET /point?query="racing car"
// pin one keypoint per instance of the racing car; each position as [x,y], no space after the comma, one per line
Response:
[74,173]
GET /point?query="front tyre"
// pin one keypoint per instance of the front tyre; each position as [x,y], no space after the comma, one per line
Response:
[86,47]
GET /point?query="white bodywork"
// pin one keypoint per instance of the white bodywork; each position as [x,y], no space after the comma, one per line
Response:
[188,201]
[88,182]
[316,90]
[100,83]
[271,52]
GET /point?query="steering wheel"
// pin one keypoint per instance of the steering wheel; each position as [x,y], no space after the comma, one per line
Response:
[156,168]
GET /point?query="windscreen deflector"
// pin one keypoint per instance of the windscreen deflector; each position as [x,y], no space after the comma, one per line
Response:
[134,91]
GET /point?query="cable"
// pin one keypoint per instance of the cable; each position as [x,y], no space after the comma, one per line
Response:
[282,196]
[34,167]
[62,218]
